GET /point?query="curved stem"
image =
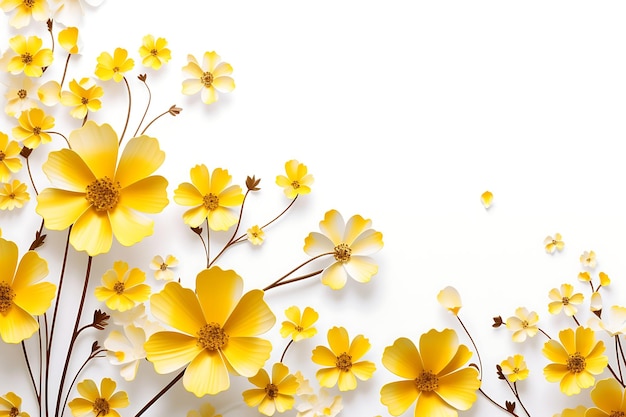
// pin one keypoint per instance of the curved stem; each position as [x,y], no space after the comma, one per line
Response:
[480,362]
[285,351]
[516,393]
[240,238]
[617,350]
[576,320]
[208,243]
[60,134]
[30,175]
[544,333]
[30,373]
[161,393]
[154,120]
[275,283]
[90,357]
[147,105]
[289,281]
[621,349]
[232,239]
[130,102]
[67,63]
[495,403]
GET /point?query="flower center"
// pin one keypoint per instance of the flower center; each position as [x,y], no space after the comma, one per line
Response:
[154,52]
[565,301]
[29,3]
[515,370]
[116,69]
[344,362]
[84,100]
[271,390]
[524,324]
[101,407]
[163,266]
[617,414]
[211,201]
[27,58]
[295,185]
[14,412]
[21,93]
[6,297]
[427,381]
[36,130]
[576,363]
[212,337]
[207,79]
[2,156]
[118,287]
[342,253]
[103,194]
[299,329]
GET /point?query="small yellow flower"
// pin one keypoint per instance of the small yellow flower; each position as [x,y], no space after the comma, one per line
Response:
[573,412]
[13,195]
[33,128]
[154,52]
[206,410]
[584,276]
[275,394]
[10,162]
[255,235]
[98,402]
[609,398]
[83,96]
[297,181]
[514,368]
[114,66]
[604,279]
[163,268]
[209,78]
[523,324]
[342,360]
[487,199]
[450,298]
[122,288]
[554,243]
[68,39]
[10,406]
[299,326]
[30,57]
[21,95]
[565,300]
[596,301]
[25,10]
[588,259]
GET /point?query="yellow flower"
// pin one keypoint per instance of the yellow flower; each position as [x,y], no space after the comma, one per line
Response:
[299,327]
[9,161]
[584,276]
[114,66]
[10,406]
[13,195]
[575,360]
[98,403]
[350,243]
[218,331]
[24,10]
[162,268]
[68,39]
[433,377]
[30,58]
[212,197]
[297,180]
[275,394]
[209,78]
[22,296]
[342,360]
[565,300]
[49,93]
[255,235]
[450,298]
[523,324]
[21,95]
[122,288]
[33,127]
[514,368]
[100,200]
[487,199]
[573,412]
[588,259]
[595,304]
[604,279]
[154,53]
[83,97]
[609,398]
[554,243]
[206,410]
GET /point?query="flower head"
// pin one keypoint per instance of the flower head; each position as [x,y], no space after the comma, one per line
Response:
[114,66]
[121,289]
[211,77]
[68,39]
[13,195]
[299,326]
[273,394]
[588,259]
[565,300]
[514,368]
[613,321]
[523,324]
[126,349]
[10,406]
[21,94]
[605,281]
[154,52]
[609,398]
[255,235]
[25,10]
[297,181]
[433,377]
[10,162]
[98,402]
[206,410]
[32,128]
[83,96]
[350,244]
[450,298]
[30,58]
[554,243]
[487,199]
[163,267]
[319,405]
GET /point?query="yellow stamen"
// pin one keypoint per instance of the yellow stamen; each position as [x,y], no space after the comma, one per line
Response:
[2,156]
[344,362]
[101,407]
[27,58]
[207,79]
[6,297]
[21,93]
[212,337]
[427,381]
[576,363]
[119,287]
[271,390]
[211,201]
[342,253]
[103,194]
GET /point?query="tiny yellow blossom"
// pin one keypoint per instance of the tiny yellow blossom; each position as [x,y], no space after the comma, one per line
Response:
[523,324]
[450,298]
[30,58]
[255,235]
[33,127]
[273,394]
[13,195]
[206,410]
[604,279]
[154,52]
[163,268]
[10,162]
[21,94]
[554,243]
[114,66]
[209,78]
[584,276]
[299,326]
[10,406]
[84,96]
[514,368]
[588,259]
[486,199]
[297,181]
[68,39]
[565,300]
[122,288]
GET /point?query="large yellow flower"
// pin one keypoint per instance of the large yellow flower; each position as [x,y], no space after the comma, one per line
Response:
[24,10]
[22,296]
[98,199]
[350,243]
[98,403]
[122,288]
[217,331]
[434,376]
[9,160]
[575,360]
[297,181]
[211,196]
[609,398]
[30,57]
[275,394]
[209,78]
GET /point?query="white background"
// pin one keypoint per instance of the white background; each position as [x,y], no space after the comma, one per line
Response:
[404,112]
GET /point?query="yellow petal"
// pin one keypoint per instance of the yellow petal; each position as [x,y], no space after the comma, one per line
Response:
[169,351]
[335,276]
[459,388]
[246,355]
[338,340]
[188,195]
[88,389]
[398,396]
[8,260]
[363,370]
[450,298]
[206,374]
[17,325]
[97,146]
[333,226]
[359,347]
[218,291]
[486,199]
[195,216]
[328,377]
[430,404]
[66,169]
[148,195]
[438,348]
[221,219]
[403,359]
[251,317]
[324,356]
[178,307]
[36,299]
[608,395]
[140,158]
[129,226]
[253,397]
[346,381]
[31,269]
[92,233]
[60,208]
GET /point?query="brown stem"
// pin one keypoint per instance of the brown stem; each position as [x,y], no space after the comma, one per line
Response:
[161,393]
[495,403]
[130,102]
[232,239]
[275,283]
[147,106]
[480,362]
[285,351]
[67,63]
[154,120]
[289,281]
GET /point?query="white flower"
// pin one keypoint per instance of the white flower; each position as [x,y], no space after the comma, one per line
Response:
[322,405]
[613,321]
[126,350]
[162,268]
[21,94]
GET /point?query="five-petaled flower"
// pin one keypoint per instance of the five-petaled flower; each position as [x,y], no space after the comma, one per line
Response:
[98,402]
[564,299]
[297,181]
[154,52]
[13,195]
[209,78]
[10,405]
[25,10]
[114,66]
[33,127]
[122,289]
[299,326]
[523,324]
[83,96]
[273,394]
[555,243]
[514,368]
[30,57]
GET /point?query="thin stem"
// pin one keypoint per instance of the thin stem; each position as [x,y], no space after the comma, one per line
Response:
[90,357]
[147,105]
[30,373]
[519,400]
[67,62]
[208,243]
[621,349]
[480,362]
[161,393]
[242,237]
[544,333]
[273,284]
[615,376]
[30,175]
[576,320]
[232,238]
[130,102]
[60,134]
[495,403]
[154,120]
[289,281]
[285,351]
[617,350]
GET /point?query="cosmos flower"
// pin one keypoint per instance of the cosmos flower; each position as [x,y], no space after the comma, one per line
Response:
[514,368]
[83,96]
[98,402]
[297,181]
[13,195]
[154,52]
[523,324]
[33,127]
[115,66]
[565,300]
[29,57]
[609,399]
[122,289]
[272,394]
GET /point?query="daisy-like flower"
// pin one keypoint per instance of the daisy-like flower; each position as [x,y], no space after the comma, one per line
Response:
[255,235]
[273,394]
[100,200]
[212,197]
[163,267]
[576,359]
[83,96]
[114,66]
[342,360]
[121,289]
[13,195]
[32,128]
[609,398]
[433,377]
[25,10]
[299,326]
[523,324]
[154,52]
[10,406]
[588,259]
[98,402]
[21,95]
[68,39]
[126,349]
[217,327]
[297,181]
[10,162]
[486,199]
[30,58]
[514,368]
[350,244]
[450,298]
[573,412]
[22,295]
[555,243]
[565,300]
[206,410]
[613,321]
[211,77]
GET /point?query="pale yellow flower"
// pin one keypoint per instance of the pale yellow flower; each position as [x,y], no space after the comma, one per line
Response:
[319,405]
[206,410]
[98,402]
[565,300]
[596,301]
[154,52]
[209,78]
[21,94]
[33,127]
[163,267]
[273,394]
[13,195]
[514,368]
[68,39]
[588,259]
[126,350]
[83,96]
[486,199]
[523,324]
[49,93]
[604,279]
[10,162]
[70,12]
[10,406]
[299,326]
[30,58]
[122,289]
[255,235]
[114,66]
[450,298]
[613,321]
[297,181]
[24,10]
[554,243]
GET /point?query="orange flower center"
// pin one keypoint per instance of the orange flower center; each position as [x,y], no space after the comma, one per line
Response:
[6,297]
[116,69]
[101,407]
[565,301]
[427,381]
[271,390]
[103,194]
[27,58]
[576,363]
[299,329]
[119,288]
[295,185]
[344,362]
[14,412]
[207,79]
[29,3]
[342,253]
[154,52]
[212,337]
[2,156]
[21,94]
[211,201]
